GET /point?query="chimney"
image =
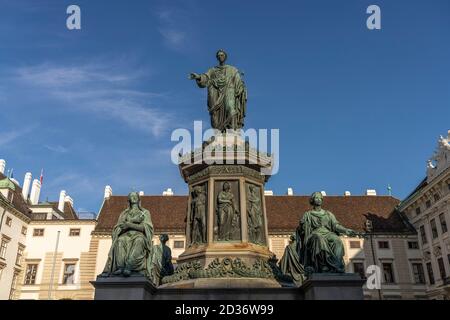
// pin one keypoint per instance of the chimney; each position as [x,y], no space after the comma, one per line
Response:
[290,192]
[371,192]
[2,166]
[68,199]
[141,193]
[35,192]
[62,196]
[347,193]
[323,193]
[168,192]
[268,192]
[26,185]
[108,192]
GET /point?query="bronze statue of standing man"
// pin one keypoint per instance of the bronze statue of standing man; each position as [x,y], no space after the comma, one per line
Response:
[227,94]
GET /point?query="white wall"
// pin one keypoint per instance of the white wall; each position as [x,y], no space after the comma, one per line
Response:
[15,233]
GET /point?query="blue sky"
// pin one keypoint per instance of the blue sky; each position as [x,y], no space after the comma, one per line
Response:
[357,109]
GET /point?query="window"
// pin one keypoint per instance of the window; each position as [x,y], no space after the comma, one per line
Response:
[8,221]
[443,223]
[440,262]
[13,285]
[419,275]
[417,211]
[436,197]
[19,255]
[383,244]
[1,271]
[423,234]
[388,273]
[69,271]
[30,274]
[74,232]
[3,247]
[358,267]
[413,245]
[24,231]
[38,232]
[355,244]
[178,244]
[434,231]
[428,203]
[430,273]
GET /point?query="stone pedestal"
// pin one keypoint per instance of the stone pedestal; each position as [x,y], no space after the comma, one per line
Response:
[140,288]
[120,288]
[334,286]
[226,161]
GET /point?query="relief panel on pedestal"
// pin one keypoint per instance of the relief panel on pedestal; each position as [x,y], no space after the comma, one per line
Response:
[227,220]
[255,214]
[198,213]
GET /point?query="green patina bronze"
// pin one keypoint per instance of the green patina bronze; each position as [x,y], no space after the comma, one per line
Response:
[198,215]
[227,268]
[228,220]
[164,254]
[227,94]
[255,215]
[132,252]
[319,247]
[290,262]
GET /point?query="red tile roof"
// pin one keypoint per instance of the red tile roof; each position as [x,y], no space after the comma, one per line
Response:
[283,212]
[69,212]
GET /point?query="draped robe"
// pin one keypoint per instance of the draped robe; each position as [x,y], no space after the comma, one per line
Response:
[132,249]
[227,97]
[225,214]
[290,263]
[320,248]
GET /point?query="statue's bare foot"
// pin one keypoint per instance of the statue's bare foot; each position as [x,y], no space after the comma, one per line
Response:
[118,272]
[126,273]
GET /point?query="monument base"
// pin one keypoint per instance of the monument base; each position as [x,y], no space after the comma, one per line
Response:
[347,286]
[333,286]
[120,288]
[140,288]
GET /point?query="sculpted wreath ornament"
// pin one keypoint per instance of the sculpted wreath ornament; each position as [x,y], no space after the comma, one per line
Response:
[226,268]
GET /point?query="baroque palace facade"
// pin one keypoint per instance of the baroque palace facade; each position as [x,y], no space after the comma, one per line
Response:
[47,252]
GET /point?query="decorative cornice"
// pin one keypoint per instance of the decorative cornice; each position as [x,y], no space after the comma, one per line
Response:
[226,170]
[14,211]
[64,221]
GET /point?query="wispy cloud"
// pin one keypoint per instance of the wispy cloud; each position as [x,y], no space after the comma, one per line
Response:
[174,27]
[73,182]
[10,136]
[97,90]
[57,148]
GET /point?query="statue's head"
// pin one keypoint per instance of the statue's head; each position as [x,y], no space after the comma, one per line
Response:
[226,186]
[316,199]
[163,238]
[198,189]
[134,198]
[252,188]
[221,56]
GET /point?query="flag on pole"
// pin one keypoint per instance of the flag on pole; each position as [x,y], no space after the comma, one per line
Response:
[41,179]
